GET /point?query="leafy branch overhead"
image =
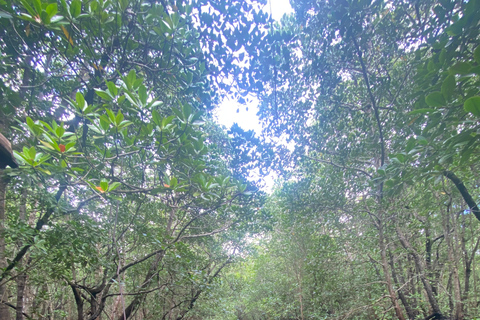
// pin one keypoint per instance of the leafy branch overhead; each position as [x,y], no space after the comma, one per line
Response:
[107,105]
[122,198]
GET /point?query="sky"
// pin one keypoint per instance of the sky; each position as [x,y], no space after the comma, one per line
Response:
[246,117]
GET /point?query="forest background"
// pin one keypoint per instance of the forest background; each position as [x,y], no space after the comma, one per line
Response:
[121,198]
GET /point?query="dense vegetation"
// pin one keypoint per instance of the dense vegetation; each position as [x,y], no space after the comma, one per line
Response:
[130,202]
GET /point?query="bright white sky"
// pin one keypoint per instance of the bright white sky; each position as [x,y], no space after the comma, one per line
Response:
[247,119]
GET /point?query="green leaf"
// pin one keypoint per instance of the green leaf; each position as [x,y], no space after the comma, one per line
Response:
[455,29]
[111,115]
[46,125]
[80,101]
[475,70]
[31,152]
[448,87]
[119,118]
[65,6]
[69,146]
[28,8]
[56,19]
[47,172]
[124,123]
[93,6]
[104,122]
[166,121]
[51,10]
[32,126]
[472,105]
[47,145]
[142,94]
[51,141]
[5,15]
[37,5]
[173,182]
[104,185]
[156,117]
[112,88]
[401,157]
[43,158]
[104,95]
[130,79]
[113,186]
[137,83]
[422,140]
[59,131]
[442,56]
[446,159]
[187,110]
[460,68]
[123,4]
[435,99]
[45,18]
[131,98]
[76,8]
[410,145]
[155,104]
[431,65]
[19,156]
[390,183]
[178,113]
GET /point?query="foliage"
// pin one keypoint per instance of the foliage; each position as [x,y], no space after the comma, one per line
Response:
[377,101]
[129,188]
[140,206]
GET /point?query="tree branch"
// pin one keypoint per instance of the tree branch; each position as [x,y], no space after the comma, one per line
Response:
[340,166]
[13,307]
[40,223]
[464,192]
[372,100]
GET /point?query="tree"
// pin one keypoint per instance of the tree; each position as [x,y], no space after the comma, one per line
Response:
[339,90]
[105,102]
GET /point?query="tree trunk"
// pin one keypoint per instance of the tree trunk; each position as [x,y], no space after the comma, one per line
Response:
[131,308]
[399,282]
[451,304]
[458,303]
[4,312]
[78,302]
[468,260]
[464,192]
[386,273]
[428,257]
[22,277]
[412,283]
[421,270]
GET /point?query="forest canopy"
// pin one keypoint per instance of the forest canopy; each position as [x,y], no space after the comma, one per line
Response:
[122,198]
